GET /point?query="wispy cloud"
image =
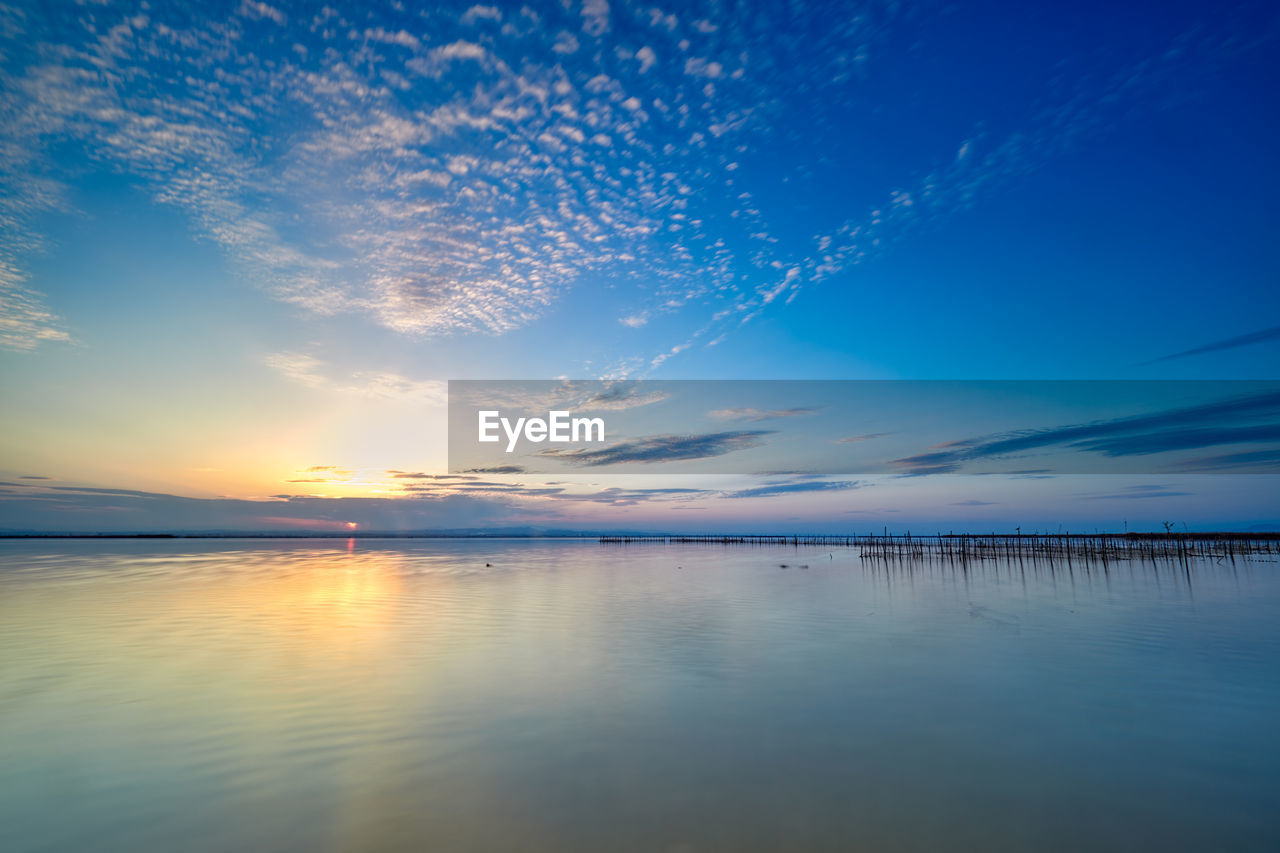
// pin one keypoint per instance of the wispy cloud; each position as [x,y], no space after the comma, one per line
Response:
[664,448]
[1184,428]
[80,509]
[481,13]
[25,322]
[775,489]
[1263,336]
[857,439]
[422,475]
[631,497]
[618,396]
[753,415]
[1244,459]
[314,373]
[1180,439]
[1139,493]
[423,485]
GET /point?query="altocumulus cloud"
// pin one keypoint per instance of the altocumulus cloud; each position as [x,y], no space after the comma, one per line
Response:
[452,168]
[460,167]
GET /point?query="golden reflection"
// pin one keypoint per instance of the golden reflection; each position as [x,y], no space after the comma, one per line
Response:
[279,610]
[256,652]
[314,603]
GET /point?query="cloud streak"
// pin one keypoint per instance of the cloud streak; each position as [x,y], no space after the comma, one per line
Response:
[1263,336]
[311,372]
[663,448]
[753,415]
[777,489]
[1190,427]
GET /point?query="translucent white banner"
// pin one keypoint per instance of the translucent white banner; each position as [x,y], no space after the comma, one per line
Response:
[902,428]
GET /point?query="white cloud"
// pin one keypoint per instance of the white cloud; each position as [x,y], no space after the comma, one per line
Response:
[313,373]
[426,176]
[473,209]
[481,13]
[25,322]
[646,57]
[400,37]
[658,19]
[339,179]
[595,17]
[254,9]
[566,42]
[460,50]
[697,66]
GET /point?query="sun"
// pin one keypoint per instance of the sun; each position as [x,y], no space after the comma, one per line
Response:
[351,525]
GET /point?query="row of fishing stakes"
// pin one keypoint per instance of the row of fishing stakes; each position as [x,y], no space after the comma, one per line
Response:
[968,546]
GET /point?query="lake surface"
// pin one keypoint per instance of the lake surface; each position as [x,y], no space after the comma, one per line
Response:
[385,695]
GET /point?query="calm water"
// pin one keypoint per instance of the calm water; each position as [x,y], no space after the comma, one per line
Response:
[329,695]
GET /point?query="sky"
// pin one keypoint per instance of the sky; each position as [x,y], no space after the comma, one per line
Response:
[244,246]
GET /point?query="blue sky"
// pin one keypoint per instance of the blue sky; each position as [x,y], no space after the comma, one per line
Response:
[243,239]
